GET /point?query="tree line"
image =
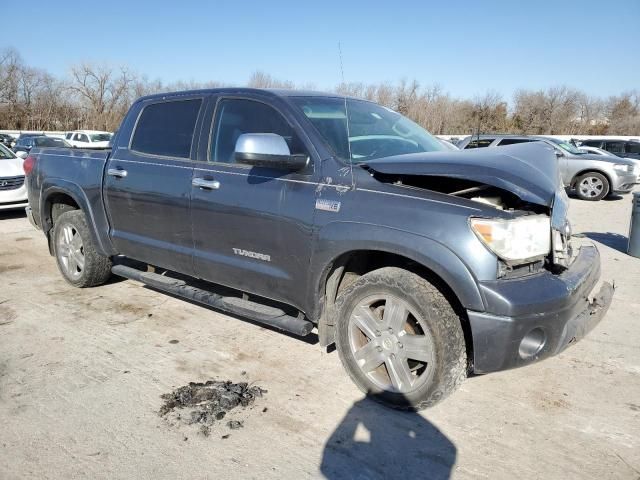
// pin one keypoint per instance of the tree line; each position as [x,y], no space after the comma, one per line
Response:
[97,96]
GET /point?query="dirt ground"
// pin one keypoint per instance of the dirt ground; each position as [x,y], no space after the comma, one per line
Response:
[82,372]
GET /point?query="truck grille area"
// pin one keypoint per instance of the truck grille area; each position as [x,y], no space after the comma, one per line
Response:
[561,231]
[11,183]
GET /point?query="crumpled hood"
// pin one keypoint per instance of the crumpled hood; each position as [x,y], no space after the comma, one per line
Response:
[528,170]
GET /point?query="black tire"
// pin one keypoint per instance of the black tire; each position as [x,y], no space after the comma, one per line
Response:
[449,365]
[592,186]
[96,268]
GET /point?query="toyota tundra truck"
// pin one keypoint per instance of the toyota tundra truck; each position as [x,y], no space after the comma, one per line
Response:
[311,212]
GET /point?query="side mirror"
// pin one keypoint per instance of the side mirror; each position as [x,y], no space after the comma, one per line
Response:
[267,150]
[22,154]
[559,154]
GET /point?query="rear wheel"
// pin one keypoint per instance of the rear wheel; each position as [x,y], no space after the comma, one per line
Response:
[400,339]
[79,262]
[592,186]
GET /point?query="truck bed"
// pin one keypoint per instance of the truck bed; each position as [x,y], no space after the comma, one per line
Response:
[79,172]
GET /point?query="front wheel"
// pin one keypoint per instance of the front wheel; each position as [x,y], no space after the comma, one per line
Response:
[399,339]
[592,186]
[79,262]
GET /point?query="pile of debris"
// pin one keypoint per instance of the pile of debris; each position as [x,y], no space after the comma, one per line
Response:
[209,402]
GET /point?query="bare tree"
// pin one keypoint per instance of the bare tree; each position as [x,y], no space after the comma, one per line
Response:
[98,96]
[261,79]
[102,92]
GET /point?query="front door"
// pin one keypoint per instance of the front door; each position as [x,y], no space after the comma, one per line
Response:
[147,186]
[252,227]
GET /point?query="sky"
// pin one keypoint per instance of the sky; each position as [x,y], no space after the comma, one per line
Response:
[467,48]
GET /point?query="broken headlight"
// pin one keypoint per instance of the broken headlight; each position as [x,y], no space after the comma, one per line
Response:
[517,239]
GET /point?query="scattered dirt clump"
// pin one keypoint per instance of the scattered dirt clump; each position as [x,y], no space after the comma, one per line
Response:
[206,403]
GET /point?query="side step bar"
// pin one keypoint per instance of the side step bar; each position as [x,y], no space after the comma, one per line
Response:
[271,316]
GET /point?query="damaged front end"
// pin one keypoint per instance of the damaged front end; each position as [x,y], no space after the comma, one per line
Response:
[522,181]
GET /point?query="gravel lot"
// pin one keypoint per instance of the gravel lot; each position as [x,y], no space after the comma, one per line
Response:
[82,371]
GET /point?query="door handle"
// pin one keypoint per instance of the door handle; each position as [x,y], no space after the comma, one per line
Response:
[117,172]
[206,184]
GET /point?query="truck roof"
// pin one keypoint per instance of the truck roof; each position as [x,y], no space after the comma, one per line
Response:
[276,92]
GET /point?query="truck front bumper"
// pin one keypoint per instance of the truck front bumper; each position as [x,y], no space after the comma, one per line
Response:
[532,318]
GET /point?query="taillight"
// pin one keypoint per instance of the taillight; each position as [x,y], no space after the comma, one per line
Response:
[28,164]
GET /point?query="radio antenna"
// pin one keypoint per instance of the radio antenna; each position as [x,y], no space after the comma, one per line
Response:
[346,114]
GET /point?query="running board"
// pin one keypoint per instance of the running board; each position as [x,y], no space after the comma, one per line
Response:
[271,316]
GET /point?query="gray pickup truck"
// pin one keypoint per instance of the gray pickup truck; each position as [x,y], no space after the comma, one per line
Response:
[301,210]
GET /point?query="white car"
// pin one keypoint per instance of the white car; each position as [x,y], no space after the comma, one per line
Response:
[448,144]
[88,139]
[604,153]
[13,192]
[597,151]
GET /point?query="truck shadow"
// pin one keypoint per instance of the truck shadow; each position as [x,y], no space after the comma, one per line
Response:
[375,442]
[612,240]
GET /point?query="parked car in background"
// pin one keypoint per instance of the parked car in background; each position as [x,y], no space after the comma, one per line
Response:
[591,176]
[88,139]
[13,192]
[448,144]
[7,140]
[25,144]
[621,148]
[599,151]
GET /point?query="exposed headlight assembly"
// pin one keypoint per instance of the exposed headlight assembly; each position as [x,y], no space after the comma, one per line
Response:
[514,240]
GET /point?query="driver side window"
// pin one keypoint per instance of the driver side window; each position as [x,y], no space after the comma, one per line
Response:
[237,116]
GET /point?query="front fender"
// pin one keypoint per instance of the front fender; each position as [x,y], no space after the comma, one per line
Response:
[339,238]
[96,217]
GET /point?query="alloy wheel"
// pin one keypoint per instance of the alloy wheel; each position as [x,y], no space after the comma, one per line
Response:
[391,343]
[70,251]
[591,187]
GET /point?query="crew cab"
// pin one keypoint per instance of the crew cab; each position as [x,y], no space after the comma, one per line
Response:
[306,211]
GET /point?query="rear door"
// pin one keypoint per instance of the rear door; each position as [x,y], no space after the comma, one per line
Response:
[147,184]
[252,228]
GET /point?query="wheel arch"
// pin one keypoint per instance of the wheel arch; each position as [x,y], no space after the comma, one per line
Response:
[448,273]
[591,170]
[71,197]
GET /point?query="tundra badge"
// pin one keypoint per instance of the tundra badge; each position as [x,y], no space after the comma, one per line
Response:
[256,255]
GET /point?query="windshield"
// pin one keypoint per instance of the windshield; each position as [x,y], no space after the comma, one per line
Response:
[373,131]
[49,142]
[568,147]
[100,137]
[5,153]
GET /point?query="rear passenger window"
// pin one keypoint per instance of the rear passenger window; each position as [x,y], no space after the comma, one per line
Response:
[633,147]
[167,128]
[235,117]
[483,142]
[513,141]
